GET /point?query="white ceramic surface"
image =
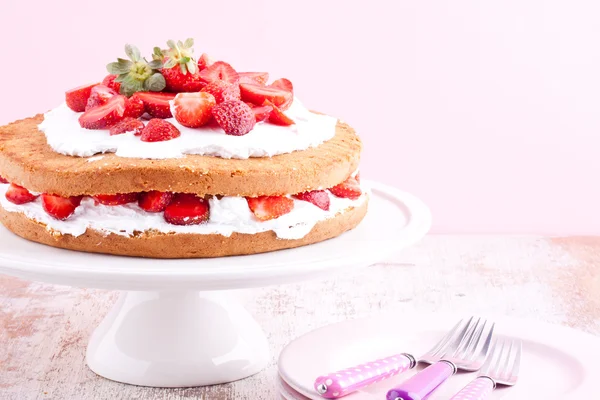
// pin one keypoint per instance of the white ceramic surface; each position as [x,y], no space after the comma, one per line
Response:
[395,220]
[177,339]
[557,362]
[167,333]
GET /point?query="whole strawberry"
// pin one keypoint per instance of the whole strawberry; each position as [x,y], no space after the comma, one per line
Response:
[180,70]
[235,117]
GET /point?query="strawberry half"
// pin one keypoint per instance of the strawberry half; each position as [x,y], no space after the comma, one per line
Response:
[116,199]
[349,189]
[187,209]
[284,84]
[257,78]
[159,130]
[60,207]
[109,81]
[257,94]
[220,71]
[176,81]
[127,125]
[155,201]
[2,180]
[261,113]
[156,104]
[223,91]
[104,116]
[235,117]
[193,109]
[270,207]
[134,107]
[319,198]
[277,116]
[99,96]
[77,98]
[204,61]
[19,195]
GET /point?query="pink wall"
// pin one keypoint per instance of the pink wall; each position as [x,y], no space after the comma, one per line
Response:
[488,110]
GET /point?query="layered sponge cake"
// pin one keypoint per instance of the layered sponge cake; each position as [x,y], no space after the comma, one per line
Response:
[180,158]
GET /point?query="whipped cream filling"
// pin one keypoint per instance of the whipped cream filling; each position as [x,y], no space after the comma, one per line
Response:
[64,135]
[227,215]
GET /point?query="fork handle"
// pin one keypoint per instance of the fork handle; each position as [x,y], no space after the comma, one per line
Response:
[346,381]
[478,389]
[420,385]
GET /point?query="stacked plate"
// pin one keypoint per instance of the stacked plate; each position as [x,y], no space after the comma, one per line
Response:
[557,362]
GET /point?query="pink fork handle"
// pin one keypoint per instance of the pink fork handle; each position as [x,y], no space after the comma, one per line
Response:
[477,389]
[346,381]
[419,386]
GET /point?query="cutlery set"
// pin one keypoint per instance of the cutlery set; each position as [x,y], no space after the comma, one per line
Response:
[469,346]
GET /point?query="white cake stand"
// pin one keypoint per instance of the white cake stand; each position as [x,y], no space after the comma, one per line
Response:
[174,326]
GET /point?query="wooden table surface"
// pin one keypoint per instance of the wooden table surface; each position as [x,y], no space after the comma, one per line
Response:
[44,328]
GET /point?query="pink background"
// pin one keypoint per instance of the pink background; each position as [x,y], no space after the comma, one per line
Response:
[487,110]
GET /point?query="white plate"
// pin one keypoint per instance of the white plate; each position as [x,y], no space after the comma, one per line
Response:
[395,220]
[557,362]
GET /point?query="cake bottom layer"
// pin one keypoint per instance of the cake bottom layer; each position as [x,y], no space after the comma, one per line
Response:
[154,244]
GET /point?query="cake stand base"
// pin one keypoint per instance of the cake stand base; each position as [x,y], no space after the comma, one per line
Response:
[177,339]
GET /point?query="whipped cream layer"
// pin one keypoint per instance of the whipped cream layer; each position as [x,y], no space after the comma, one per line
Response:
[227,215]
[64,135]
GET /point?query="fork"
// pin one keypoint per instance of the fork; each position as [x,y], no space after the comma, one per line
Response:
[346,381]
[468,354]
[501,367]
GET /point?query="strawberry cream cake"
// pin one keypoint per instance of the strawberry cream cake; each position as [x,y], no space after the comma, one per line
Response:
[177,157]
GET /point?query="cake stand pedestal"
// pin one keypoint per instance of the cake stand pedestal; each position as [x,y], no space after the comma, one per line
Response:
[176,323]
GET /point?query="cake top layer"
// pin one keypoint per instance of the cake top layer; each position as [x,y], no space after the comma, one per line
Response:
[27,160]
[175,105]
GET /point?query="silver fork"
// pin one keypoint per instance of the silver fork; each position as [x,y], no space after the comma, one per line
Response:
[468,352]
[501,367]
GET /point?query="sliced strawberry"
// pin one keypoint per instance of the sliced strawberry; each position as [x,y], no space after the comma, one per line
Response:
[116,199]
[283,84]
[193,109]
[159,130]
[77,98]
[134,107]
[235,117]
[261,113]
[257,94]
[156,104]
[270,207]
[104,116]
[349,189]
[219,71]
[60,207]
[257,78]
[204,61]
[109,81]
[223,91]
[187,209]
[2,180]
[155,201]
[19,195]
[319,198]
[128,124]
[277,116]
[99,96]
[176,81]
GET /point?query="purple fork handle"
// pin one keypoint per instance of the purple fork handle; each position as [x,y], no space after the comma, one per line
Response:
[420,385]
[346,381]
[477,389]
